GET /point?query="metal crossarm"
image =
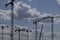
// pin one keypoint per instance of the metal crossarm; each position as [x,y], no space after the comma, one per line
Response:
[45,18]
[51,17]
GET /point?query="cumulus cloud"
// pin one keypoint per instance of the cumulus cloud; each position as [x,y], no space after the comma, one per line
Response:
[57,18]
[23,10]
[58,1]
[30,0]
[4,17]
[48,35]
[45,21]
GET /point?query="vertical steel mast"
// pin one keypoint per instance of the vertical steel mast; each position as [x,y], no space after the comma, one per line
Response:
[28,33]
[2,32]
[52,28]
[12,7]
[2,27]
[18,32]
[41,32]
[35,30]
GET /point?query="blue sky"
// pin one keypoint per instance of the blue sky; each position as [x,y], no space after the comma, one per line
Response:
[48,6]
[30,9]
[44,6]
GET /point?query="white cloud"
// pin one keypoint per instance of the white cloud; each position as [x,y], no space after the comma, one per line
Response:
[23,10]
[57,19]
[58,1]
[45,21]
[46,14]
[9,1]
[4,15]
[30,0]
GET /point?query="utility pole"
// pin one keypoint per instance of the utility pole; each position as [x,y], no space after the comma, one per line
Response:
[52,28]
[42,36]
[28,33]
[41,33]
[18,29]
[12,7]
[51,23]
[35,29]
[18,32]
[2,27]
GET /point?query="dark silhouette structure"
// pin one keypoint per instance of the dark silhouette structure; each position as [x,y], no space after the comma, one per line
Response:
[41,33]
[12,7]
[51,17]
[18,29]
[28,33]
[2,27]
[35,30]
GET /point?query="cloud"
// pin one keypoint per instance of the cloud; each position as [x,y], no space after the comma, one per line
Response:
[4,17]
[48,35]
[46,14]
[23,10]
[9,1]
[45,21]
[30,0]
[57,19]
[6,33]
[58,1]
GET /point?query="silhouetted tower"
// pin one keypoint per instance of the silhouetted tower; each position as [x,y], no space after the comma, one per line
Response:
[12,7]
[41,33]
[46,21]
[19,30]
[35,30]
[28,33]
[2,27]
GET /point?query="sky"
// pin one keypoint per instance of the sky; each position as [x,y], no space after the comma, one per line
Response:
[26,12]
